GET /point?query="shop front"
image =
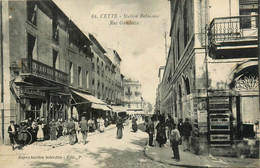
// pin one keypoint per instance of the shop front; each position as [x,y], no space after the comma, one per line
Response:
[37,97]
[87,105]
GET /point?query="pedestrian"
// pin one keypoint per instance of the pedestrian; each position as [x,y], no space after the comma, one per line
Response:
[58,127]
[180,129]
[64,126]
[119,125]
[12,130]
[40,133]
[101,124]
[150,131]
[52,126]
[134,124]
[30,121]
[187,128]
[161,132]
[44,128]
[34,130]
[71,131]
[83,124]
[169,124]
[174,138]
[77,128]
[98,123]
[91,125]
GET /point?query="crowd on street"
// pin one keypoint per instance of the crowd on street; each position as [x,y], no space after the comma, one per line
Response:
[158,128]
[30,131]
[161,129]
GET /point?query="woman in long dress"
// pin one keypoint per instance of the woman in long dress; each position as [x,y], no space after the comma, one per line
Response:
[40,135]
[119,125]
[52,126]
[161,133]
[134,124]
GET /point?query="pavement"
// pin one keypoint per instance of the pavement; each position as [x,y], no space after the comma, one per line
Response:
[44,145]
[103,150]
[189,159]
[162,155]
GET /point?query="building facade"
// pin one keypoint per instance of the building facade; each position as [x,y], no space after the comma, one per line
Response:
[133,100]
[48,65]
[211,74]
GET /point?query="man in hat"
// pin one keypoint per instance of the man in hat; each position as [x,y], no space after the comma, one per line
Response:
[83,124]
[71,131]
[187,128]
[12,130]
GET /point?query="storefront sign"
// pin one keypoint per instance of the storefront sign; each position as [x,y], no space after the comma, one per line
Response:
[31,93]
[219,103]
[202,121]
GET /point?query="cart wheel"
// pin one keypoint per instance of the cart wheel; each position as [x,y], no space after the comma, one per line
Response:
[29,138]
[25,137]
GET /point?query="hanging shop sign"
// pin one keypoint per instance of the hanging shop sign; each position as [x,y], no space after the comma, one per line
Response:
[31,93]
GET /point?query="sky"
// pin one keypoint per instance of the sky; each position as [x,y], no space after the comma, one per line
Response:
[140,45]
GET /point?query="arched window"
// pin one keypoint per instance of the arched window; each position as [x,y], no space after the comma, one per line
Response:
[187,85]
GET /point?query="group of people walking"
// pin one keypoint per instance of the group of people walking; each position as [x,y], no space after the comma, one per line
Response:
[29,131]
[161,129]
[74,129]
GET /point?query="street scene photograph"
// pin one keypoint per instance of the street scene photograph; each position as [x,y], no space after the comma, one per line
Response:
[129,83]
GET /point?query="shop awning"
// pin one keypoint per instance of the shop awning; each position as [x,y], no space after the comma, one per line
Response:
[95,102]
[119,109]
[135,112]
[89,98]
[100,106]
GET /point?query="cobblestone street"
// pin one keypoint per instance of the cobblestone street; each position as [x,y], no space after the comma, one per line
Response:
[102,150]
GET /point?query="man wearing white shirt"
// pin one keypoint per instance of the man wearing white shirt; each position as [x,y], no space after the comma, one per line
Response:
[175,138]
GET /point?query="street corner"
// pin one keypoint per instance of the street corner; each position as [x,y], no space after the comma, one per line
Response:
[162,155]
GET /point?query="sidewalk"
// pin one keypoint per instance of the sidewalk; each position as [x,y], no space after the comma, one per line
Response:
[47,144]
[63,140]
[188,159]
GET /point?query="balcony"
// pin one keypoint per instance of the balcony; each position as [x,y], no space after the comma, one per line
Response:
[42,70]
[231,33]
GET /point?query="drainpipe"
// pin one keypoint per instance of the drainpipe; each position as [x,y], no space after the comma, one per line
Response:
[207,84]
[2,73]
[258,50]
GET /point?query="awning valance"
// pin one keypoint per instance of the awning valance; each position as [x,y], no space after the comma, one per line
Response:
[95,102]
[119,109]
[100,106]
[89,98]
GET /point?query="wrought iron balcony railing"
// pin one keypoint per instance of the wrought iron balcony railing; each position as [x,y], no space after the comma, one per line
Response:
[233,29]
[42,70]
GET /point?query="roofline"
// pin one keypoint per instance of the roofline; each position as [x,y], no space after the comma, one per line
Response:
[117,55]
[95,41]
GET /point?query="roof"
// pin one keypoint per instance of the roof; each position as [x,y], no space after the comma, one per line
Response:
[117,55]
[95,41]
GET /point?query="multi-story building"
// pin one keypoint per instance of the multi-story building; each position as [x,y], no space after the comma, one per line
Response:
[46,65]
[98,68]
[211,74]
[116,81]
[158,107]
[133,100]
